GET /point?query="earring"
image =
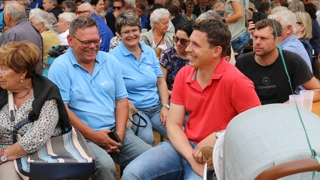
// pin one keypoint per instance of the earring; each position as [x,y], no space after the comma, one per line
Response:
[21,80]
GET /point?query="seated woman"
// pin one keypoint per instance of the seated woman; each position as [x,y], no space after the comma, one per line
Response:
[43,22]
[63,24]
[34,97]
[189,16]
[174,58]
[158,36]
[147,89]
[304,30]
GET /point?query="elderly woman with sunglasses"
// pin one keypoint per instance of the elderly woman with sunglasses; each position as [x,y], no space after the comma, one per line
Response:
[146,87]
[174,58]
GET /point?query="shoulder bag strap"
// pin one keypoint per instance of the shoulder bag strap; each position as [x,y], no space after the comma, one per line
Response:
[12,118]
[160,40]
[11,106]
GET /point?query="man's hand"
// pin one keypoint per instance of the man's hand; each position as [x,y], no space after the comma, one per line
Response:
[208,141]
[164,115]
[102,139]
[197,167]
[251,27]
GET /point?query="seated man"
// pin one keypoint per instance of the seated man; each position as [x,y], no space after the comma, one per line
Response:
[265,68]
[213,91]
[92,88]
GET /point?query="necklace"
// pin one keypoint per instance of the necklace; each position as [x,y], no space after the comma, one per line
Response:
[25,94]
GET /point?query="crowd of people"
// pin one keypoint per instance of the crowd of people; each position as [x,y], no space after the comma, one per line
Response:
[182,64]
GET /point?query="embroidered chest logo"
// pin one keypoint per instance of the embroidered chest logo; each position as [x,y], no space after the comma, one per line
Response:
[266,81]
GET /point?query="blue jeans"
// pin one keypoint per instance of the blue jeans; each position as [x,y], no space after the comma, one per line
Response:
[160,162]
[152,116]
[132,147]
[240,42]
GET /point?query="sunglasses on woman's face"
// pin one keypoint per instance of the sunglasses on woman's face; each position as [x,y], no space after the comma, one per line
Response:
[182,41]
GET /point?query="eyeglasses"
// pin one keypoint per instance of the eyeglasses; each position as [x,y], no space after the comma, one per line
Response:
[133,31]
[182,41]
[87,43]
[299,22]
[81,12]
[117,7]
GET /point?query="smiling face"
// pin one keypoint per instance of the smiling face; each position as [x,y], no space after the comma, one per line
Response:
[264,42]
[182,36]
[84,54]
[200,53]
[99,7]
[130,36]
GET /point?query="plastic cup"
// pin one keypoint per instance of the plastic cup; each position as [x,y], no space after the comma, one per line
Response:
[296,99]
[307,99]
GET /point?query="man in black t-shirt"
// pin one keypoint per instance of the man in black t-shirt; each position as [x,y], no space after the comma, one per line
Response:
[265,68]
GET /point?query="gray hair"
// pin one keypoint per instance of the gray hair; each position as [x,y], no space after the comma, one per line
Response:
[296,5]
[127,17]
[278,9]
[211,14]
[81,22]
[16,10]
[88,7]
[285,18]
[158,14]
[55,2]
[70,4]
[26,2]
[67,16]
[214,7]
[40,16]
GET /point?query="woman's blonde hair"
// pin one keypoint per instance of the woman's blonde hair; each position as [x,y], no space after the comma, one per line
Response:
[20,56]
[305,19]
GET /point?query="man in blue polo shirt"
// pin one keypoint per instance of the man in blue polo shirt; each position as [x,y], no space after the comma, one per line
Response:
[92,88]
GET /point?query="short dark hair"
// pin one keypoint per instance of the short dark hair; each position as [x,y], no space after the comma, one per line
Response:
[122,2]
[218,33]
[127,17]
[174,10]
[186,27]
[141,6]
[264,6]
[271,24]
[311,9]
[190,3]
[81,22]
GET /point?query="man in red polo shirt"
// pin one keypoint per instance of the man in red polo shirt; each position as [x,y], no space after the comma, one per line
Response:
[213,91]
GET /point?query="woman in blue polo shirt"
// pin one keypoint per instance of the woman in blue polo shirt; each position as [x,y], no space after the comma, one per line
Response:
[147,89]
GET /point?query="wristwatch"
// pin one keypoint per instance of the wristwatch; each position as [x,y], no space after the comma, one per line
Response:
[3,157]
[166,105]
[218,134]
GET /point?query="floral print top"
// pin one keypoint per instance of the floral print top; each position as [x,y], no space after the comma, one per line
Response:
[172,62]
[32,135]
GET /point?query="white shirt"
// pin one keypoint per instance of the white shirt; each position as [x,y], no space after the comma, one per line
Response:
[63,37]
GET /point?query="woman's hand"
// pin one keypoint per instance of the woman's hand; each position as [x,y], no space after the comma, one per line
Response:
[164,115]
